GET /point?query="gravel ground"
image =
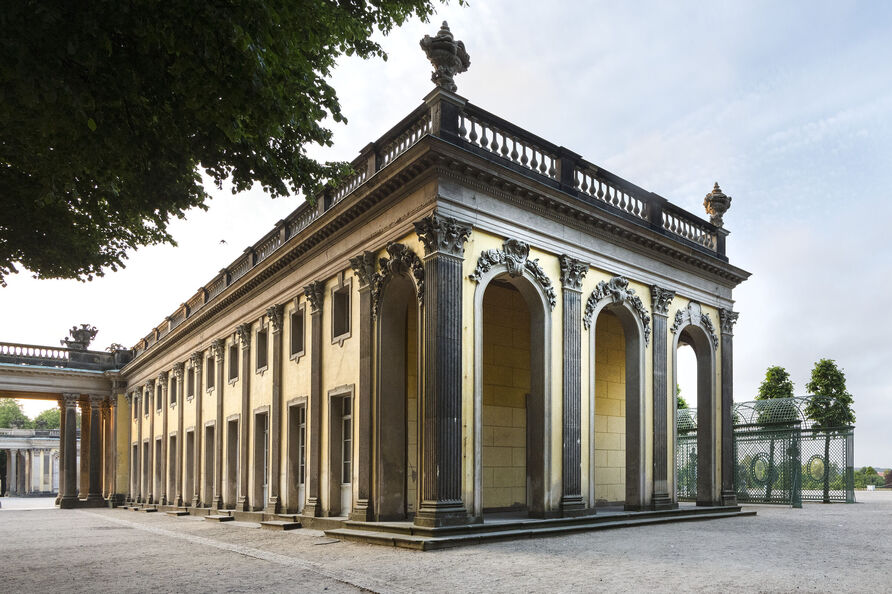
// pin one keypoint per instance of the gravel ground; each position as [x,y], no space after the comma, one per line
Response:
[820,548]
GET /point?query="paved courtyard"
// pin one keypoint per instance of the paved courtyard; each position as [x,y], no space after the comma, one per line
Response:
[818,548]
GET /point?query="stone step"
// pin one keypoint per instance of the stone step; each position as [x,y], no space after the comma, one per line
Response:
[150,510]
[219,518]
[516,531]
[280,525]
[178,513]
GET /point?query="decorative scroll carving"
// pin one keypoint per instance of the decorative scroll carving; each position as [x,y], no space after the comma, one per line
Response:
[162,379]
[692,315]
[244,334]
[402,260]
[217,347]
[315,293]
[196,358]
[442,234]
[447,56]
[364,267]
[572,272]
[276,315]
[661,299]
[617,291]
[727,319]
[514,255]
[178,370]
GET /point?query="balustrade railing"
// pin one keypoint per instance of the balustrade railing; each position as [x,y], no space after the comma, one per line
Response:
[33,354]
[486,134]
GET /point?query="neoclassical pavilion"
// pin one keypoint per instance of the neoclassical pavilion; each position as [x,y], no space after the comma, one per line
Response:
[476,322]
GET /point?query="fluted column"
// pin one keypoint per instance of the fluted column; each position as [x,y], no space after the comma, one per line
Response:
[441,399]
[661,299]
[315,293]
[105,417]
[196,445]
[276,315]
[131,465]
[572,273]
[94,494]
[244,336]
[219,347]
[150,467]
[728,318]
[364,267]
[178,371]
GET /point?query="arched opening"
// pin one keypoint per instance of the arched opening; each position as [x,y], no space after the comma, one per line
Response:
[618,452]
[697,384]
[396,459]
[512,399]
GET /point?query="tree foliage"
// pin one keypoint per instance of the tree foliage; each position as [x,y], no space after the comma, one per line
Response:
[109,111]
[868,476]
[12,416]
[680,402]
[48,419]
[777,384]
[833,405]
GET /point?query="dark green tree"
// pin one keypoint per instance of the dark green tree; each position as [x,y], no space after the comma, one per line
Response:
[680,402]
[48,419]
[11,415]
[777,384]
[109,111]
[830,408]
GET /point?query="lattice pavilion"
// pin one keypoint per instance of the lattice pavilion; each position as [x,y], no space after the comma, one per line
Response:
[476,329]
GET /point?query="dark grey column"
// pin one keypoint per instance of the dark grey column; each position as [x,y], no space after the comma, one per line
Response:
[315,293]
[137,494]
[572,273]
[61,454]
[149,471]
[162,382]
[364,267]
[276,315]
[106,449]
[178,370]
[727,319]
[83,486]
[661,299]
[219,347]
[244,336]
[441,399]
[95,458]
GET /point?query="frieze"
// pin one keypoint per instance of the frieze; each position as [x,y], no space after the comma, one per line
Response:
[442,234]
[572,272]
[315,293]
[617,290]
[692,315]
[402,260]
[515,256]
[661,299]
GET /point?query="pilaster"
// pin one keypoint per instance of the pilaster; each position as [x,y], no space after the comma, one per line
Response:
[86,447]
[244,335]
[149,471]
[95,464]
[276,314]
[441,398]
[162,464]
[364,267]
[572,273]
[179,370]
[315,293]
[61,402]
[218,347]
[661,299]
[727,319]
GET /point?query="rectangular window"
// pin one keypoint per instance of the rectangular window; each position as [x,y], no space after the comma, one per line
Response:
[297,332]
[146,403]
[190,382]
[302,444]
[262,346]
[173,392]
[347,433]
[158,398]
[209,365]
[135,407]
[340,312]
[233,362]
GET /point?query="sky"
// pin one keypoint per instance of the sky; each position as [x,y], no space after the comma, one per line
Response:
[787,105]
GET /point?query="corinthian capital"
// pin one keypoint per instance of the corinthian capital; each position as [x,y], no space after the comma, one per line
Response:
[442,234]
[244,334]
[315,293]
[572,272]
[661,299]
[276,313]
[727,319]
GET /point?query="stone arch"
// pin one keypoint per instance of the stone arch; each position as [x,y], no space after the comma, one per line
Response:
[694,327]
[397,296]
[635,323]
[511,266]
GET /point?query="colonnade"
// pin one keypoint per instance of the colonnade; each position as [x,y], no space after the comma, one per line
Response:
[31,471]
[87,479]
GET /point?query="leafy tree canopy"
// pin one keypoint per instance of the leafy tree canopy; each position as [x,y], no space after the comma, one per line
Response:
[833,407]
[777,384]
[11,415]
[109,110]
[48,419]
[680,402]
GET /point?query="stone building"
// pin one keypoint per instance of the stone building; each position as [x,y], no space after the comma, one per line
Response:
[477,321]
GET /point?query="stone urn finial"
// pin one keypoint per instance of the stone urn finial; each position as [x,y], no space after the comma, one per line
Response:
[80,338]
[447,56]
[717,204]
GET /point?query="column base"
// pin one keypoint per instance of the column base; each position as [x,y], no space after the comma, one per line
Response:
[435,514]
[179,501]
[68,502]
[242,504]
[312,508]
[361,511]
[662,501]
[217,502]
[708,503]
[196,501]
[729,498]
[572,506]
[272,506]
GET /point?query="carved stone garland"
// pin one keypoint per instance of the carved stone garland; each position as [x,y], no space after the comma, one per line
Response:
[694,316]
[515,256]
[617,291]
[401,260]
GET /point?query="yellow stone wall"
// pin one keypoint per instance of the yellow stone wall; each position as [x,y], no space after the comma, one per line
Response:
[610,409]
[506,381]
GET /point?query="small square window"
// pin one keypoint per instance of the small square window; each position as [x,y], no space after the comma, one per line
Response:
[297,332]
[209,374]
[233,362]
[262,349]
